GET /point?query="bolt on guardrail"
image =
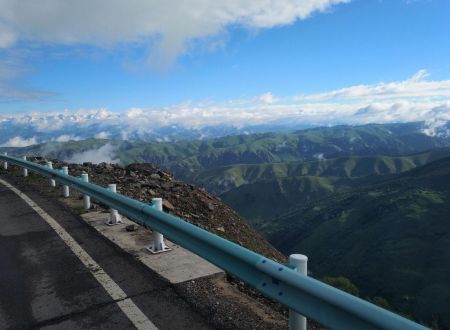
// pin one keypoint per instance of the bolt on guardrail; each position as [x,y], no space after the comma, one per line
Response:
[304,295]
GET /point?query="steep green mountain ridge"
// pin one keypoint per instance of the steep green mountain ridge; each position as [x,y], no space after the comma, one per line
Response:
[225,178]
[391,238]
[367,202]
[187,159]
[271,189]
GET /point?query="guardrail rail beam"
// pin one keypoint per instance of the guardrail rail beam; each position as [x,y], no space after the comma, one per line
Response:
[328,306]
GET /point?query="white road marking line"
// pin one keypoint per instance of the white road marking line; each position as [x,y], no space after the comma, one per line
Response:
[136,316]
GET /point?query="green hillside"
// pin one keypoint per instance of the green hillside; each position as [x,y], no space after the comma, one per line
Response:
[268,190]
[391,238]
[262,200]
[187,159]
[368,203]
[61,149]
[225,178]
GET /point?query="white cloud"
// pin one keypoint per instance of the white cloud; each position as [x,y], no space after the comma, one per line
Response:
[415,87]
[105,154]
[11,93]
[421,74]
[437,123]
[7,37]
[102,135]
[12,68]
[319,156]
[66,137]
[170,25]
[268,98]
[413,99]
[19,142]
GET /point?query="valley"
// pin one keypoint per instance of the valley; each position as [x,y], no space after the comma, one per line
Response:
[367,204]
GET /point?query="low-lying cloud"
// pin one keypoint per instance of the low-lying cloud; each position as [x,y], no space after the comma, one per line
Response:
[18,141]
[66,138]
[414,99]
[104,154]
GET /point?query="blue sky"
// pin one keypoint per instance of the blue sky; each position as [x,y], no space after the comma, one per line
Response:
[255,54]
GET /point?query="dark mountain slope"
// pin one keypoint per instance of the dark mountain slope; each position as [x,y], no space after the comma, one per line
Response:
[225,178]
[268,190]
[391,238]
[261,201]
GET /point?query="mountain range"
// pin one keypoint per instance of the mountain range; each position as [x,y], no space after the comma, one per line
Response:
[367,204]
[268,190]
[30,129]
[188,158]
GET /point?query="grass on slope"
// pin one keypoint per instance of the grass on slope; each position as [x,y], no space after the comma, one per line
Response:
[225,178]
[392,239]
[186,158]
[278,188]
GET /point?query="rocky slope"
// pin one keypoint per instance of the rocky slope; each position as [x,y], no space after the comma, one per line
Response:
[145,181]
[228,302]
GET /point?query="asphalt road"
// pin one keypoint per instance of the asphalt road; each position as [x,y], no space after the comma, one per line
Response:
[44,285]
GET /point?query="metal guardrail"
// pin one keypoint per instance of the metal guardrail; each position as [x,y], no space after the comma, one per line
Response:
[325,304]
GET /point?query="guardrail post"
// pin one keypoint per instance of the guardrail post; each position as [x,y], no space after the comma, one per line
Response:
[86,198]
[327,305]
[114,216]
[66,188]
[25,170]
[158,245]
[5,163]
[52,182]
[300,262]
